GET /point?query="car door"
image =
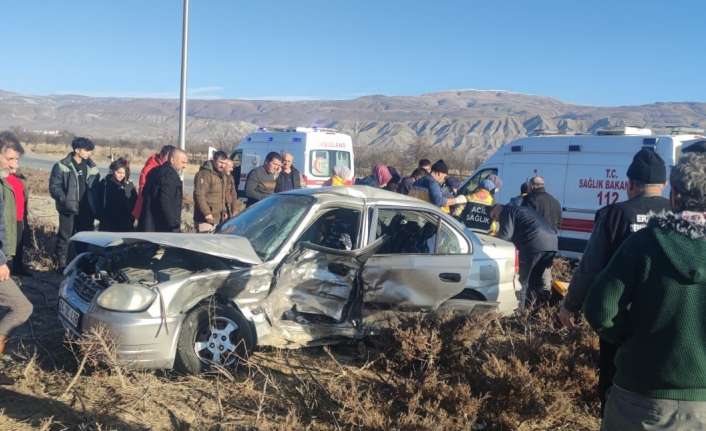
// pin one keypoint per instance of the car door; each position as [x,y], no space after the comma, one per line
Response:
[423,261]
[318,280]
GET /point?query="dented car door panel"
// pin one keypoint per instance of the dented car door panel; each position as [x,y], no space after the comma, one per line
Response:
[413,282]
[408,274]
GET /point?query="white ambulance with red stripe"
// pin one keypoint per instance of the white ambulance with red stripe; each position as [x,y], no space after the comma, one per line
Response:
[584,172]
[316,152]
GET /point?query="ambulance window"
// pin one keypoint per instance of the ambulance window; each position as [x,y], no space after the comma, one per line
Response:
[250,161]
[320,166]
[476,179]
[343,158]
[323,161]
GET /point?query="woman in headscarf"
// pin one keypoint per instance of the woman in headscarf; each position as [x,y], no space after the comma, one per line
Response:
[379,178]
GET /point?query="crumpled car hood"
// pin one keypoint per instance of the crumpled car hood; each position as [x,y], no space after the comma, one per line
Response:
[225,246]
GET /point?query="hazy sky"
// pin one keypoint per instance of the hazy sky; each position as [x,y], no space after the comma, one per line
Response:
[588,52]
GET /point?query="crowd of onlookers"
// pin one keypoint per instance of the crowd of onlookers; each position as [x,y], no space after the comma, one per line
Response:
[641,282]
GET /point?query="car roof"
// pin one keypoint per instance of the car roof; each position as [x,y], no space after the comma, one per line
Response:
[362,195]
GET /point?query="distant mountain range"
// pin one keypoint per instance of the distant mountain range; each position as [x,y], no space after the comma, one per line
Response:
[475,122]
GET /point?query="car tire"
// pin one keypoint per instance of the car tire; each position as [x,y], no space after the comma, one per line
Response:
[211,335]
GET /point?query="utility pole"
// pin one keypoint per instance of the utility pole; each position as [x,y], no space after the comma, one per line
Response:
[184,61]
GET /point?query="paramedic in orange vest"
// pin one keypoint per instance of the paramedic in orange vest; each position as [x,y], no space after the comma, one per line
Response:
[428,188]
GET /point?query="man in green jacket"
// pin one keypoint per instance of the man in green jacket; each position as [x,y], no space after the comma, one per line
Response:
[18,307]
[650,301]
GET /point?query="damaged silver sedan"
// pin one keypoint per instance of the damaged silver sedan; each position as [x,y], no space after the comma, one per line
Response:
[307,267]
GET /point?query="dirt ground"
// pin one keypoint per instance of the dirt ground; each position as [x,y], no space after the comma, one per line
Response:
[481,373]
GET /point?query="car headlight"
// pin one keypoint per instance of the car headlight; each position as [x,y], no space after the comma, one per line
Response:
[121,297]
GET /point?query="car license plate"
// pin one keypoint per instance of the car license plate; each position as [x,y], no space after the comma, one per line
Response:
[69,313]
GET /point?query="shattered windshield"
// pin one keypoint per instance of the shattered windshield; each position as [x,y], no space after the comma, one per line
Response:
[269,223]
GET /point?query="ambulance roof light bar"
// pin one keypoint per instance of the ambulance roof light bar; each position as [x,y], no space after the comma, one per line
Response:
[624,130]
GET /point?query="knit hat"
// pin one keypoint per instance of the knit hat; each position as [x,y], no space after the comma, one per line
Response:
[440,167]
[647,167]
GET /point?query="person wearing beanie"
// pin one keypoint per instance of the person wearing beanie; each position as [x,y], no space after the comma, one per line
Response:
[613,224]
[71,185]
[429,188]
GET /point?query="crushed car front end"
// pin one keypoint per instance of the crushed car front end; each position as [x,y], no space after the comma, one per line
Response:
[137,293]
[144,336]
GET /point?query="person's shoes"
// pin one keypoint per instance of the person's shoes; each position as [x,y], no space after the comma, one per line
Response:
[6,380]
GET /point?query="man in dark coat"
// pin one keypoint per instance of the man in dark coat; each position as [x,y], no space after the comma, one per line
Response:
[613,225]
[71,185]
[537,242]
[289,177]
[163,196]
[542,202]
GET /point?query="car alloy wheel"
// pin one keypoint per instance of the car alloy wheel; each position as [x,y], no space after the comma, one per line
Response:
[218,343]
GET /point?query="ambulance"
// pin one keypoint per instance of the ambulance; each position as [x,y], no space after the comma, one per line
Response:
[584,172]
[316,151]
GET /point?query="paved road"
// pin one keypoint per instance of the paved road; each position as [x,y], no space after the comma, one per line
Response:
[45,163]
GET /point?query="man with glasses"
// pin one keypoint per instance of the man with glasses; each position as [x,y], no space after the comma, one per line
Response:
[289,178]
[261,181]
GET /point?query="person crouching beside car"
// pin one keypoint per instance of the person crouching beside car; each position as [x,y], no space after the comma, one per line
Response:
[116,198]
[537,243]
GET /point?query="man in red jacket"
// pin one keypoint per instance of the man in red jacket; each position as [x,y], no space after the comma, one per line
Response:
[155,160]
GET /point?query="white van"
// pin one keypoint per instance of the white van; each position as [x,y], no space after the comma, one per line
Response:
[584,172]
[316,151]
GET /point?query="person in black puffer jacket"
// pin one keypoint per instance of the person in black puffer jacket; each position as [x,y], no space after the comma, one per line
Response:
[116,198]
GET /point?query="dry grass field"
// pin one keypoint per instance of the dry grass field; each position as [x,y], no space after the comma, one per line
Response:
[452,373]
